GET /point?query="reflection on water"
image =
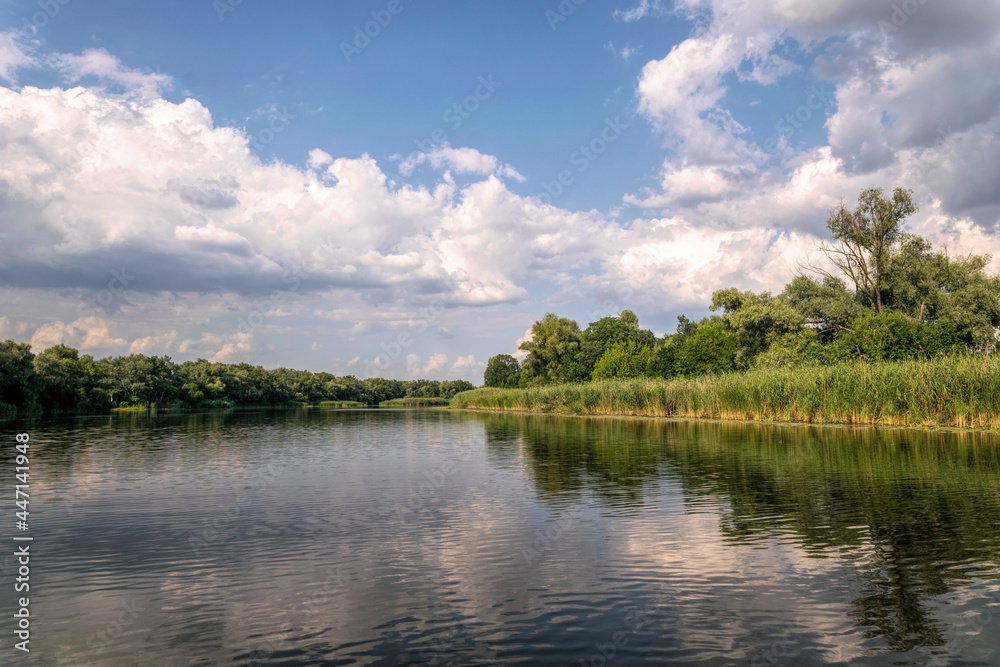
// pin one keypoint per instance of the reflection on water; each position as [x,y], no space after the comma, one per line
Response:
[429,537]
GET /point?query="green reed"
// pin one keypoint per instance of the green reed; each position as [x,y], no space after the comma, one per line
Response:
[959,391]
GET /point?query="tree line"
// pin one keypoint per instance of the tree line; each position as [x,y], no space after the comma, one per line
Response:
[890,295]
[61,379]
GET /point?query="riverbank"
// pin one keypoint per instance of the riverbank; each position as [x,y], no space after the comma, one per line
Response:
[958,392]
[414,402]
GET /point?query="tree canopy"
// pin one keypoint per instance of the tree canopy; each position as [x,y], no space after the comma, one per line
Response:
[59,378]
[889,295]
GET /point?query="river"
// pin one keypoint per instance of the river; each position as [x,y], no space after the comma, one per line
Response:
[385,537]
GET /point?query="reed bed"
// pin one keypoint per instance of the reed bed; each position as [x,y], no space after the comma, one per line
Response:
[956,391]
[414,402]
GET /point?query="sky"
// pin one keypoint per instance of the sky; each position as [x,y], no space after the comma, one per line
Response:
[399,188]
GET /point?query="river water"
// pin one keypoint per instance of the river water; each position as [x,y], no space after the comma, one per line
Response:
[385,537]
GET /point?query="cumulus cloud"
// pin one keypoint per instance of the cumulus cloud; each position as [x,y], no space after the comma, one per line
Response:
[896,75]
[461,160]
[154,345]
[466,364]
[90,334]
[518,353]
[92,180]
[892,78]
[319,158]
[106,181]
[416,366]
[53,333]
[96,334]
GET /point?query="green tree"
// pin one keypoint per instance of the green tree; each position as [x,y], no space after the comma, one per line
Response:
[712,349]
[17,374]
[827,307]
[878,336]
[502,370]
[451,387]
[623,360]
[864,238]
[930,286]
[757,321]
[552,339]
[607,332]
[140,380]
[67,381]
[663,360]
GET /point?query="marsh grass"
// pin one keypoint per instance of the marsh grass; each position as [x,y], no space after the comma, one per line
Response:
[342,404]
[414,402]
[957,391]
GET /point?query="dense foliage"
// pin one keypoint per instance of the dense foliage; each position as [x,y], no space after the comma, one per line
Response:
[61,379]
[894,298]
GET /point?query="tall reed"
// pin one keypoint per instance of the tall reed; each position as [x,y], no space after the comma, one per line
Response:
[960,391]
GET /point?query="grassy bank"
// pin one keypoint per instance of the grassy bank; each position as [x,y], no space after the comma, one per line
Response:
[342,404]
[959,391]
[414,402]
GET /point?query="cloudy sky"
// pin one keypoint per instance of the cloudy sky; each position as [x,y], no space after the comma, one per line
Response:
[399,188]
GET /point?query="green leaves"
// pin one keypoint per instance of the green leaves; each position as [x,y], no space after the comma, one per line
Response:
[623,360]
[502,370]
[552,339]
[864,239]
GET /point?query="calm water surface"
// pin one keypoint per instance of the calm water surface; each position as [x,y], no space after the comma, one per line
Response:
[384,537]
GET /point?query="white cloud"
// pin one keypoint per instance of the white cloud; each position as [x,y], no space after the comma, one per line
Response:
[218,348]
[13,55]
[624,53]
[461,160]
[643,9]
[103,65]
[518,353]
[89,334]
[94,181]
[90,174]
[95,334]
[466,364]
[416,366]
[53,333]
[154,345]
[319,158]
[893,123]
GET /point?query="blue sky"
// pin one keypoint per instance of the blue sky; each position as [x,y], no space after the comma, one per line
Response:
[206,151]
